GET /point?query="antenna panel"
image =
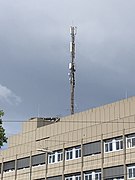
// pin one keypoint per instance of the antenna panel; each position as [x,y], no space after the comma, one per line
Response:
[71,47]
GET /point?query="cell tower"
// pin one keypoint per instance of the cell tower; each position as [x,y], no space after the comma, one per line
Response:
[73,31]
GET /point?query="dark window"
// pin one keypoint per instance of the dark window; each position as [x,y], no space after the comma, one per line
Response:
[38,159]
[10,165]
[92,148]
[113,172]
[133,142]
[23,163]
[55,178]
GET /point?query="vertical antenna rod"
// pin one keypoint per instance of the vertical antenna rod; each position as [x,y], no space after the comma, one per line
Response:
[72,67]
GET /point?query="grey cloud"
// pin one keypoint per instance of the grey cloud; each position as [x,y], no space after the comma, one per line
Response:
[34,54]
[8,96]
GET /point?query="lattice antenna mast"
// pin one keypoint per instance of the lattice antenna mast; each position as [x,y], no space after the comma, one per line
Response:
[73,31]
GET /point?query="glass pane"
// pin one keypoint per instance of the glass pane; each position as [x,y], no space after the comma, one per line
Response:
[50,159]
[133,172]
[60,157]
[90,177]
[53,158]
[96,176]
[67,157]
[121,144]
[128,143]
[110,146]
[133,142]
[130,173]
[79,152]
[117,145]
[71,155]
[106,147]
[76,154]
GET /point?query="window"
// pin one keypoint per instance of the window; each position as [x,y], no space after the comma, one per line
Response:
[51,158]
[59,156]
[78,152]
[108,147]
[69,154]
[98,176]
[92,148]
[38,159]
[23,163]
[92,176]
[9,166]
[131,141]
[131,172]
[73,153]
[73,177]
[119,144]
[113,145]
[115,172]
[78,177]
[68,178]
[88,176]
[55,157]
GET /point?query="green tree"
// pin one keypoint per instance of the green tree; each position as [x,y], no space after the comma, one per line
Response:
[3,138]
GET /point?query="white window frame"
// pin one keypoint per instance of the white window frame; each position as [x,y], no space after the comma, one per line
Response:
[99,175]
[111,145]
[129,142]
[120,141]
[92,175]
[55,156]
[88,176]
[108,145]
[77,151]
[132,168]
[73,177]
[59,153]
[71,153]
[69,178]
[50,158]
[78,177]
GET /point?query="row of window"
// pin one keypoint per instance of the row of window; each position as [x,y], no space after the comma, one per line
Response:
[95,175]
[72,153]
[117,143]
[110,173]
[115,171]
[91,148]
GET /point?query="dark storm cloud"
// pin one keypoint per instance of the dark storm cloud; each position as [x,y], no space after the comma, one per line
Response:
[34,54]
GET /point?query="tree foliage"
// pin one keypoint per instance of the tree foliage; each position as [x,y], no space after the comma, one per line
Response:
[3,138]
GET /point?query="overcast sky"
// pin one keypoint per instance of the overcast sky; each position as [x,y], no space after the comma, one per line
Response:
[34,56]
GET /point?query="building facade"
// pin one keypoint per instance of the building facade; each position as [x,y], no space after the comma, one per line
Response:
[97,144]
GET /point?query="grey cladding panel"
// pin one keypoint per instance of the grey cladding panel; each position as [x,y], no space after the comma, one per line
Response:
[92,148]
[55,178]
[10,165]
[113,172]
[38,159]
[23,163]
